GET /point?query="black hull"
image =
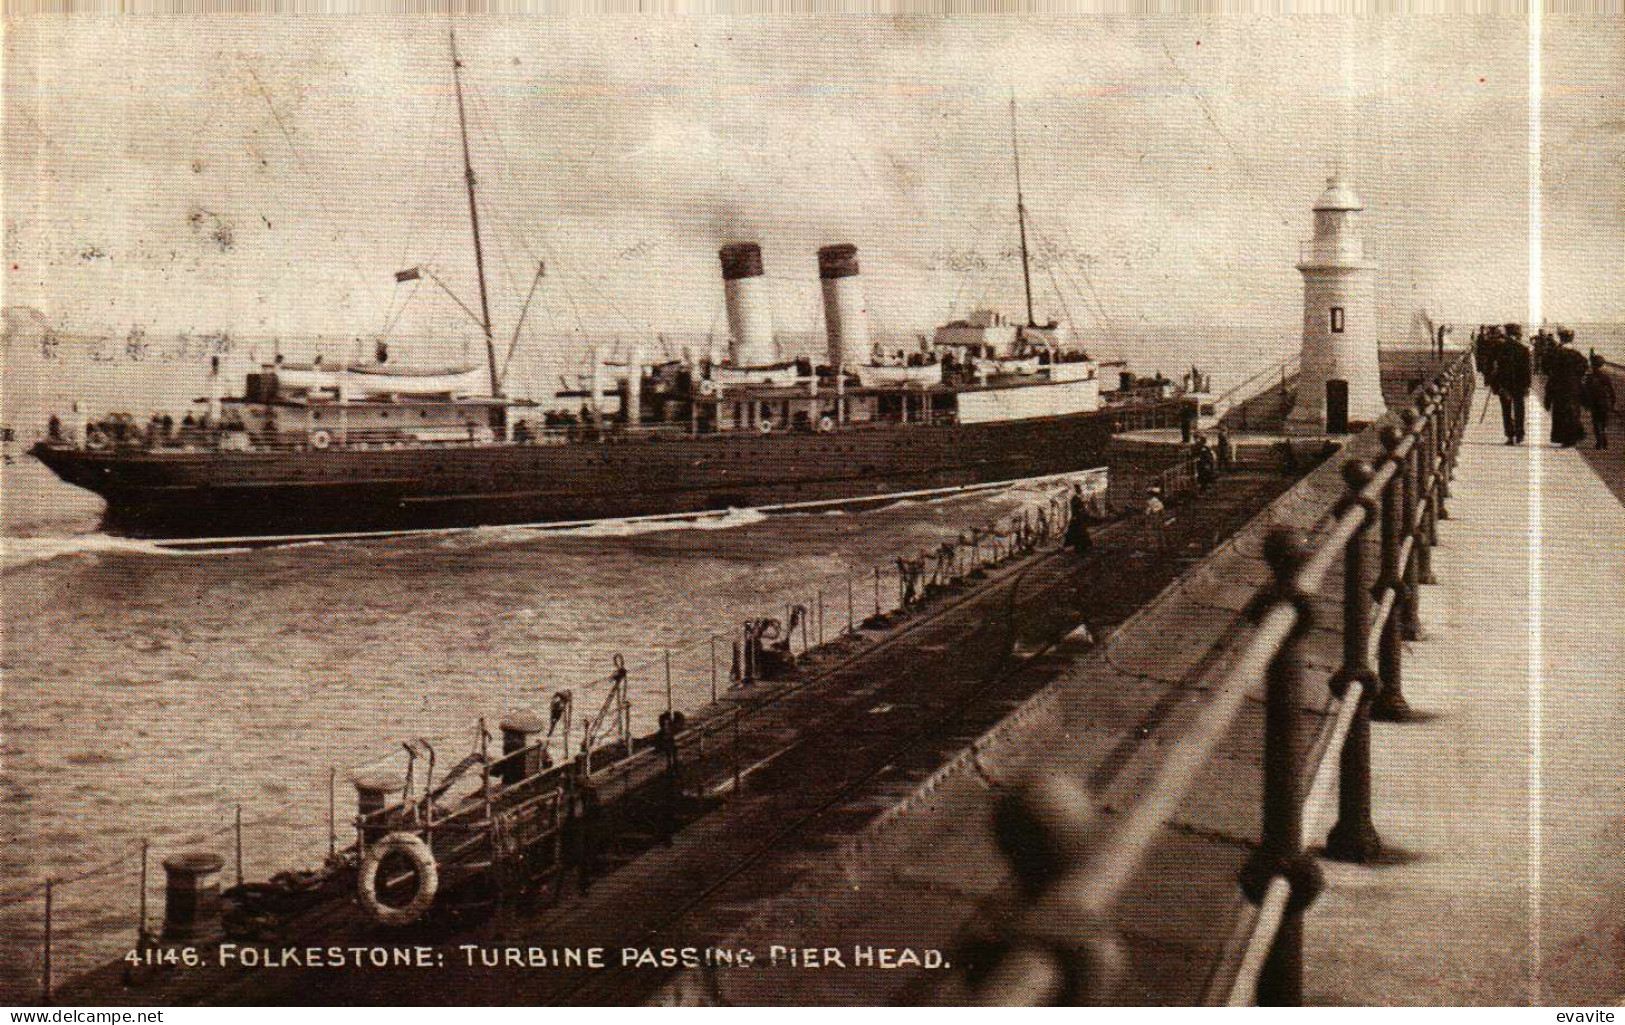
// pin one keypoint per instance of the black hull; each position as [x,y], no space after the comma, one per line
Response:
[224,494]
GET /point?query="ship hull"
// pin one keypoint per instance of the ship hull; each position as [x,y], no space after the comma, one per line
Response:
[167,493]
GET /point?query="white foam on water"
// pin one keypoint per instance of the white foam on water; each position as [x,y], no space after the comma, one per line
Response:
[479,537]
[729,520]
[16,552]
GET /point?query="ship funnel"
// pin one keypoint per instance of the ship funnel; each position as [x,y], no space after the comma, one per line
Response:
[846,314]
[750,315]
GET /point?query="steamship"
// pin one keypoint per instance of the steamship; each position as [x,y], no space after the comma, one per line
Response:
[357,447]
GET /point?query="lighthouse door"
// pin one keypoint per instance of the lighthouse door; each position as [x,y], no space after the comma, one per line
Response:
[1337,406]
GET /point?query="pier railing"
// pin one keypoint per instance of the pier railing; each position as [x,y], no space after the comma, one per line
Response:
[75,920]
[1066,946]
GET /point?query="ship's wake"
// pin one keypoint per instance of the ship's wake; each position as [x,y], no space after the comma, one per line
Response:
[16,552]
[728,519]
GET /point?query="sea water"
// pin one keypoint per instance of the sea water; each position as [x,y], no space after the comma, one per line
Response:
[150,693]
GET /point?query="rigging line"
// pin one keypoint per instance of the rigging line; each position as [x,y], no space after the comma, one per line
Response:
[1100,310]
[413,294]
[304,168]
[493,140]
[1049,268]
[518,325]
[549,252]
[1090,281]
[1207,111]
[392,317]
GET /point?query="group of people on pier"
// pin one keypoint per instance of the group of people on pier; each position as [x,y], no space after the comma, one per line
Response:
[1574,383]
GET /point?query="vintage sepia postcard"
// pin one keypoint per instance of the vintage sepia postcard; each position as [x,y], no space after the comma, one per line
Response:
[741,506]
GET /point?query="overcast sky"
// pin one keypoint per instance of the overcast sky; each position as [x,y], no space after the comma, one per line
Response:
[268,175]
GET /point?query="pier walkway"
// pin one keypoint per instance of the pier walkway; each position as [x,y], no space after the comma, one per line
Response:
[1502,807]
[1498,800]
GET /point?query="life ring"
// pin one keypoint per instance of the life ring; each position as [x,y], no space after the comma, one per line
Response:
[320,439]
[422,858]
[825,425]
[769,630]
[765,426]
[708,387]
[96,439]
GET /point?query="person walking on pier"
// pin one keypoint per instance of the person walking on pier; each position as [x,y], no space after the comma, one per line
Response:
[1484,350]
[1565,377]
[1509,378]
[1599,398]
[1206,466]
[1077,527]
[1154,510]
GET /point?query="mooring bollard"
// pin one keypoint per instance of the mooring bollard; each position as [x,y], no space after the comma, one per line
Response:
[1280,850]
[372,793]
[1354,837]
[1388,705]
[519,732]
[192,897]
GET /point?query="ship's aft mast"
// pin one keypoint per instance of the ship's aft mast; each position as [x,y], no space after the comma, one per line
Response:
[474,220]
[1021,215]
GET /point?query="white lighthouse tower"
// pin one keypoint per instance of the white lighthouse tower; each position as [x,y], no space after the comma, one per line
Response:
[1339,321]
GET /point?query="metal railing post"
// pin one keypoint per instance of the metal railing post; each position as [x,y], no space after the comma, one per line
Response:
[45,958]
[1446,414]
[141,926]
[1435,422]
[332,812]
[1354,837]
[1412,620]
[1280,850]
[1427,535]
[1059,949]
[713,668]
[666,654]
[1389,703]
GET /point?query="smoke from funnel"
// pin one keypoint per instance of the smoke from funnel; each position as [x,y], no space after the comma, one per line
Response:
[846,314]
[750,314]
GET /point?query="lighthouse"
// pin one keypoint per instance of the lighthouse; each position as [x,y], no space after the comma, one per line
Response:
[1338,382]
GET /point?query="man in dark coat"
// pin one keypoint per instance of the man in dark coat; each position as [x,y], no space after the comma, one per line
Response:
[1509,378]
[1565,374]
[1483,351]
[1600,398]
[1077,528]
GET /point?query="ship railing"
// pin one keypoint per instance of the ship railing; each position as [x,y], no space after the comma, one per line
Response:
[65,918]
[1372,550]
[356,438]
[1152,415]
